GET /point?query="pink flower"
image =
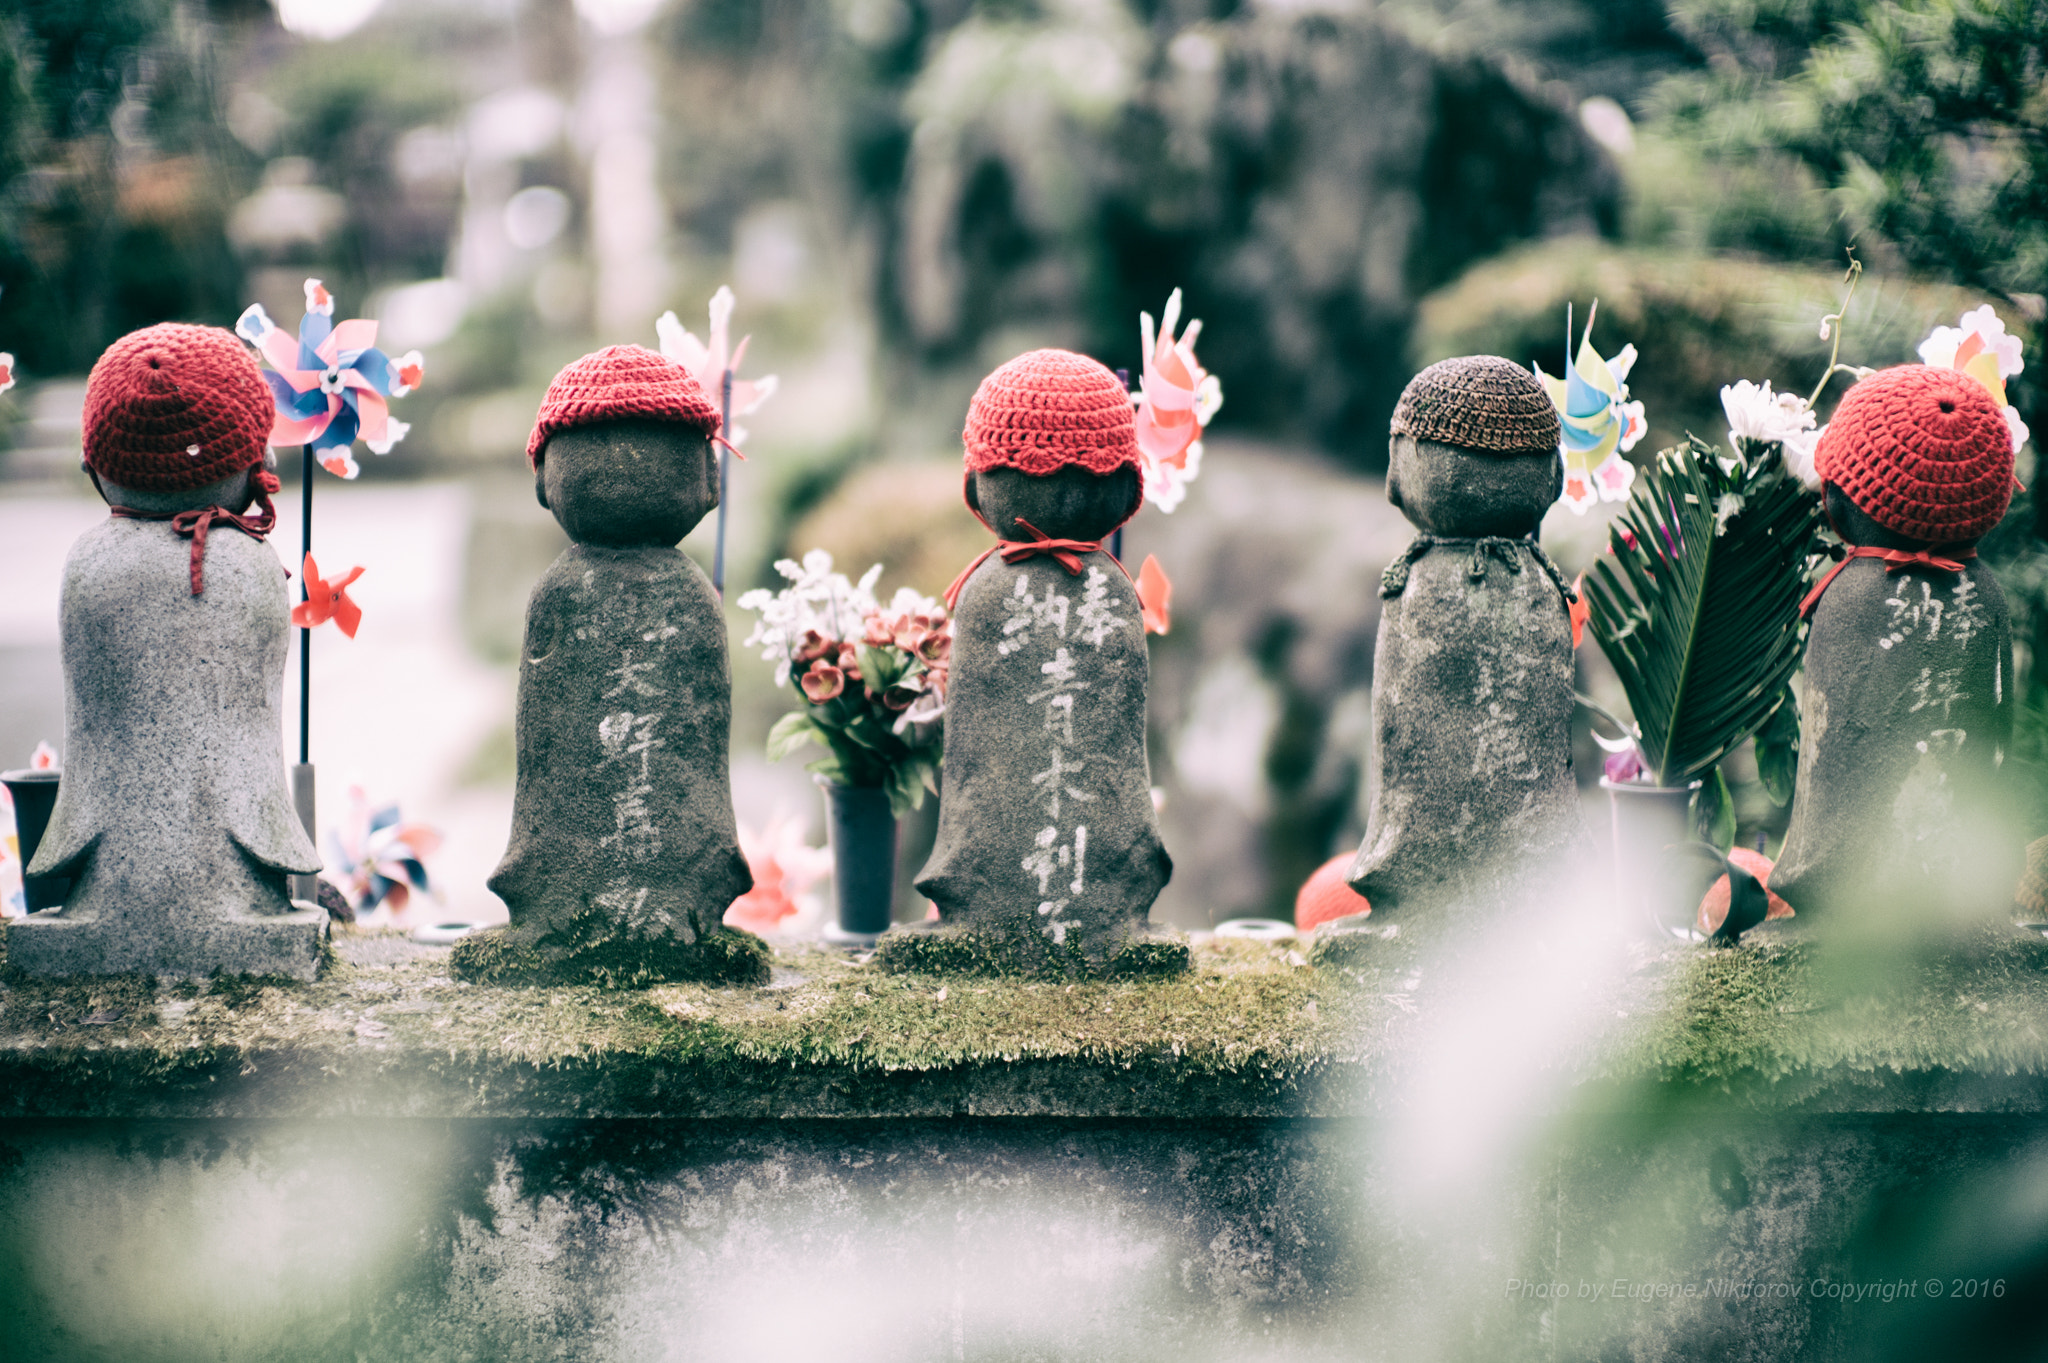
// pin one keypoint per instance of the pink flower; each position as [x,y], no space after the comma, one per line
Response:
[784,867]
[823,682]
[814,646]
[6,371]
[708,362]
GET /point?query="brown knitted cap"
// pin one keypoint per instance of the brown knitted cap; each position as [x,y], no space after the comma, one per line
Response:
[1478,402]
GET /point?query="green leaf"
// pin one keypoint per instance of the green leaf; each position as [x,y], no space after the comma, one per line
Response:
[791,732]
[880,668]
[906,790]
[1714,811]
[1702,627]
[1777,752]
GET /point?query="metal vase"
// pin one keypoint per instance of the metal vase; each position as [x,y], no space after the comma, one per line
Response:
[1658,858]
[861,831]
[35,796]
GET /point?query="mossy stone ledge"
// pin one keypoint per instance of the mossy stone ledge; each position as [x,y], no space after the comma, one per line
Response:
[1249,1030]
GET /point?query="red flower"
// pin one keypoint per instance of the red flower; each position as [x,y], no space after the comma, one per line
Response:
[934,648]
[814,647]
[328,601]
[849,661]
[823,682]
[902,695]
[881,631]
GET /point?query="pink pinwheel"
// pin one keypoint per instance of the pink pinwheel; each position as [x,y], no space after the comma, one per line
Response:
[1176,399]
[6,371]
[708,363]
[331,385]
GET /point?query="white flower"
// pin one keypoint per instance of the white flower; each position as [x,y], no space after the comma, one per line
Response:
[817,599]
[2020,433]
[1726,507]
[1799,461]
[923,710]
[1756,413]
[1939,349]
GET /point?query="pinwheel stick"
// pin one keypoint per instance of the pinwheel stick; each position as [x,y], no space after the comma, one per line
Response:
[724,469]
[1116,536]
[305,887]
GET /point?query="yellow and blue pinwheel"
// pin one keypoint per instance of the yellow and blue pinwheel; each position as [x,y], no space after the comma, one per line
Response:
[1600,423]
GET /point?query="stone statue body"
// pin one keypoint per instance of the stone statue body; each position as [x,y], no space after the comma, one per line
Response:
[624,855]
[1472,685]
[1905,715]
[1047,836]
[173,819]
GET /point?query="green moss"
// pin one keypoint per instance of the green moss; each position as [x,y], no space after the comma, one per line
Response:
[586,955]
[1024,954]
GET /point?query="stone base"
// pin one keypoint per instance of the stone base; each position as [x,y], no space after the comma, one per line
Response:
[937,950]
[289,946]
[508,956]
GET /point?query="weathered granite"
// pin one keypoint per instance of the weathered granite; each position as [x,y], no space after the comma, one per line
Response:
[1472,688]
[1048,845]
[1900,810]
[172,821]
[624,854]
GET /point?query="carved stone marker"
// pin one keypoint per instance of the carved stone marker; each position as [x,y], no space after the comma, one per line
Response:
[624,856]
[1472,675]
[1907,705]
[173,823]
[1048,855]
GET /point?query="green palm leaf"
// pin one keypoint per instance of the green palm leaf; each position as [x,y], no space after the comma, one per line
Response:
[1700,620]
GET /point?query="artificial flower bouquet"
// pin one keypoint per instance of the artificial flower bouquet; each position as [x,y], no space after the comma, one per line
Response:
[873,676]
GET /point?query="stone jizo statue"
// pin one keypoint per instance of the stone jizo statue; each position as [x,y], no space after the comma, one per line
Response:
[1048,843]
[624,855]
[1472,675]
[1906,708]
[172,821]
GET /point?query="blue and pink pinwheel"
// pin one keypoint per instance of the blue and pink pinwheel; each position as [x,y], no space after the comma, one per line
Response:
[1600,423]
[332,384]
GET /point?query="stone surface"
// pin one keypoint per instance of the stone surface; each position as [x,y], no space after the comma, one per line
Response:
[624,855]
[1472,690]
[1048,842]
[173,820]
[1905,713]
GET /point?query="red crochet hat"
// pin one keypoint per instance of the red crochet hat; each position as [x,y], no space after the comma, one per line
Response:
[1048,409]
[174,407]
[620,381]
[1922,451]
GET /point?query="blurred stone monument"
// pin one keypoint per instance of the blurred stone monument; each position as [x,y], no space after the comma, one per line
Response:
[624,855]
[1048,855]
[1907,707]
[172,821]
[1472,676]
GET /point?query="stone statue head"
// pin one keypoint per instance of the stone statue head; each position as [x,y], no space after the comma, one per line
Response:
[622,450]
[1473,450]
[1070,504]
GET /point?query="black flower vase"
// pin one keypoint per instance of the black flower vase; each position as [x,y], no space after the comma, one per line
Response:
[860,828]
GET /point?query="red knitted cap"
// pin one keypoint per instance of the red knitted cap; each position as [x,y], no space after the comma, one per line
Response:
[1922,451]
[174,407]
[1048,409]
[620,381]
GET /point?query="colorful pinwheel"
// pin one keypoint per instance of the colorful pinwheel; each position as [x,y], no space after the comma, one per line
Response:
[1600,423]
[328,601]
[1155,596]
[717,373]
[1980,347]
[708,362]
[6,371]
[379,858]
[1176,398]
[331,384]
